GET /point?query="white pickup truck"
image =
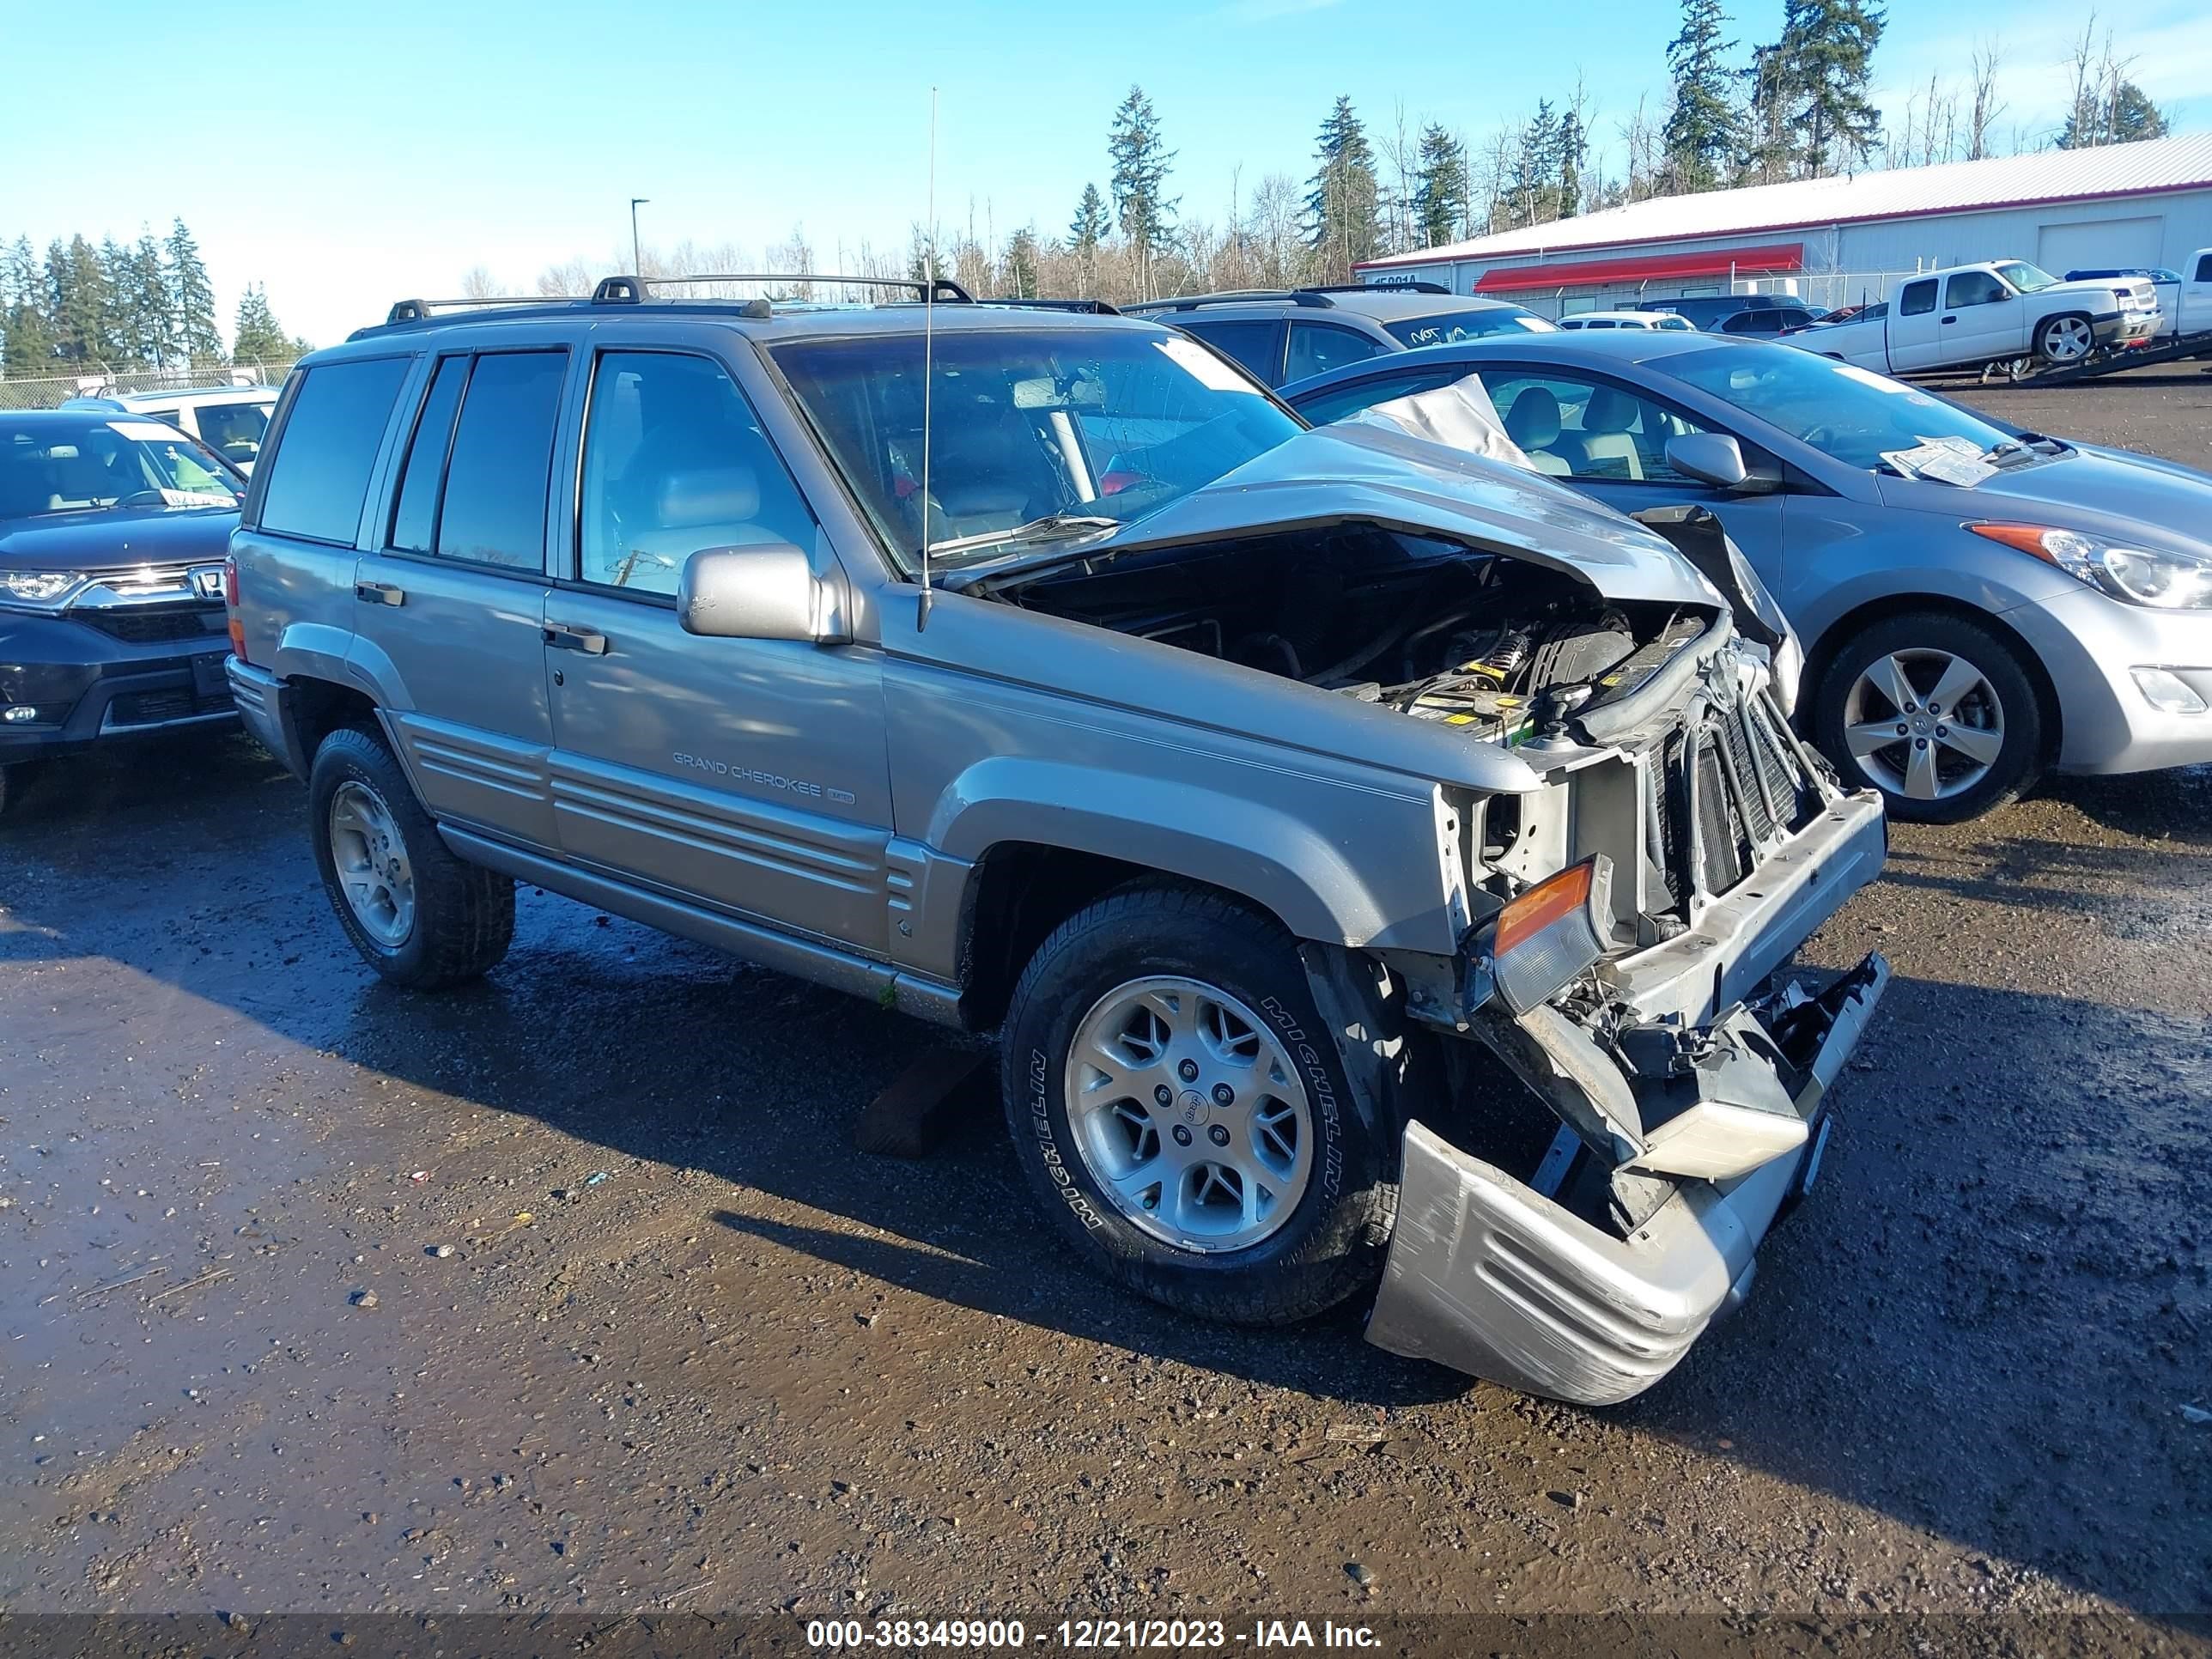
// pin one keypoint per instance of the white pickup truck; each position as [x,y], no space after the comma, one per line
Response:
[2184,296]
[2000,312]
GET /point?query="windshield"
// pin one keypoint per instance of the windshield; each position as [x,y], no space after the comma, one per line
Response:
[50,468]
[1448,327]
[1033,434]
[2025,276]
[1847,412]
[236,429]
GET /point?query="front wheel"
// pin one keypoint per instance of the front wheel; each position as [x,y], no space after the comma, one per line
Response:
[420,917]
[2063,340]
[1935,712]
[1180,1109]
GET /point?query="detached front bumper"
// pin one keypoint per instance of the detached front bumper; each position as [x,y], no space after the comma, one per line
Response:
[1690,1121]
[1489,1277]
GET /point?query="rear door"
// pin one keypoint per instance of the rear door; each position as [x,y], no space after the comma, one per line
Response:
[1914,329]
[1255,344]
[451,605]
[748,773]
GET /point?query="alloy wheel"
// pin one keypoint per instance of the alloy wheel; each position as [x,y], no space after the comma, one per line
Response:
[1189,1113]
[1924,723]
[370,858]
[2066,339]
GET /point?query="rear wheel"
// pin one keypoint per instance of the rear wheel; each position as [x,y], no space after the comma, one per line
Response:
[418,915]
[1936,713]
[1182,1110]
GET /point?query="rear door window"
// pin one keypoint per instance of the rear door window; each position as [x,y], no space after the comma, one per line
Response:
[1317,348]
[1916,300]
[1256,346]
[1341,401]
[493,506]
[318,477]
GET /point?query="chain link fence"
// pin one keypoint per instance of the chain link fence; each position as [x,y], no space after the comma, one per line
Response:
[99,380]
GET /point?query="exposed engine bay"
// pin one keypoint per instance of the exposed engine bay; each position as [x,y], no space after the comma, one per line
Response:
[1505,649]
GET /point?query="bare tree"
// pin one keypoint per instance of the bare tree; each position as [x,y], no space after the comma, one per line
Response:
[1984,106]
[479,283]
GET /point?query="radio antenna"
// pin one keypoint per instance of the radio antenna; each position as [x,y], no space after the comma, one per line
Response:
[928,355]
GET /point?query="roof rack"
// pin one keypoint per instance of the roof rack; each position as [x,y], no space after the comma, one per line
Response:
[944,290]
[416,311]
[628,290]
[1088,308]
[1408,287]
[1235,297]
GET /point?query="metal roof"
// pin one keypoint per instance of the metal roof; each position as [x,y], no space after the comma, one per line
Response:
[2050,175]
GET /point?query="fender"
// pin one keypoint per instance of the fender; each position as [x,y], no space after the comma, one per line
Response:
[1323,886]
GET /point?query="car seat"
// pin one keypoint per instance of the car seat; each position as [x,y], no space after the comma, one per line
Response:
[1608,450]
[1532,423]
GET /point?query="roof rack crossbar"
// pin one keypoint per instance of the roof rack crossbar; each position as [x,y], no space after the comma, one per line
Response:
[945,289]
[1412,287]
[1296,296]
[414,311]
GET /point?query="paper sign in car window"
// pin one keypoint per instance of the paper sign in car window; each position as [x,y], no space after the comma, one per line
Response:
[1208,370]
[145,431]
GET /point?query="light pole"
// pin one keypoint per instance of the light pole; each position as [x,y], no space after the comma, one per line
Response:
[636,260]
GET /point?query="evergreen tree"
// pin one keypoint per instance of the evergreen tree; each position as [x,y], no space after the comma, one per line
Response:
[118,343]
[1440,190]
[1529,191]
[1141,159]
[1765,157]
[2126,115]
[257,338]
[1828,46]
[191,300]
[1570,155]
[30,344]
[1086,232]
[144,303]
[1700,138]
[1341,197]
[77,303]
[1020,279]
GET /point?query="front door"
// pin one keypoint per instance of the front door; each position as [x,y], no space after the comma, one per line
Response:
[450,607]
[1614,442]
[1983,321]
[749,774]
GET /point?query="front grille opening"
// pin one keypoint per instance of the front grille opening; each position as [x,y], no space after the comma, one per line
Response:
[152,707]
[152,624]
[1734,785]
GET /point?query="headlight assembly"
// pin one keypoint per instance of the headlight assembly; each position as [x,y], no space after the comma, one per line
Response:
[2162,579]
[40,590]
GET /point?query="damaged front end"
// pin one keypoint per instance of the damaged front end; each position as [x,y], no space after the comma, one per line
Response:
[1634,991]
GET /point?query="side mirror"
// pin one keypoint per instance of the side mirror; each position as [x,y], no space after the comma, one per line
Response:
[1709,456]
[768,592]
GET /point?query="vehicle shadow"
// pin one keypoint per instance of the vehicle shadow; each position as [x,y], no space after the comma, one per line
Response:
[1983,1322]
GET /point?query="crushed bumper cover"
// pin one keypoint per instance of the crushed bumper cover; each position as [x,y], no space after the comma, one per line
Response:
[1489,1277]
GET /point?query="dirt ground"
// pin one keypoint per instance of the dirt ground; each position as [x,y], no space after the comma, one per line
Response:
[569,1292]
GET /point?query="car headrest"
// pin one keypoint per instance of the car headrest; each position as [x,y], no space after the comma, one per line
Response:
[708,495]
[1609,410]
[1534,419]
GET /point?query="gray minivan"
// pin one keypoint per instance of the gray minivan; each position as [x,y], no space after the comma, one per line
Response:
[1380,865]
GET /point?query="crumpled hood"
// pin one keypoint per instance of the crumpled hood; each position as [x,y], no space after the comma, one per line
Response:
[1367,474]
[118,537]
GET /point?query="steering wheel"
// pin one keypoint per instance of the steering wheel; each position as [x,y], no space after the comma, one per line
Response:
[144,498]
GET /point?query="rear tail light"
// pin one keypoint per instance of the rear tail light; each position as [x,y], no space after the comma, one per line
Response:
[1551,935]
[230,603]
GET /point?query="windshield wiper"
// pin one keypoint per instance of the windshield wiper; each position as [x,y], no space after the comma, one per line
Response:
[1052,527]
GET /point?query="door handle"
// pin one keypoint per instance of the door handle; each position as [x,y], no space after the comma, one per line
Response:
[379,593]
[1950,319]
[563,638]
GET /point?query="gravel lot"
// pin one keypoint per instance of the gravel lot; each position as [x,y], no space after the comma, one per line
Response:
[569,1292]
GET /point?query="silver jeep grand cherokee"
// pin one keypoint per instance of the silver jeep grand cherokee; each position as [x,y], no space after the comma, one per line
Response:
[1378,862]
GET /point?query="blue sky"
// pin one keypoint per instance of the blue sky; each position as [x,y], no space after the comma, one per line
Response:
[367,153]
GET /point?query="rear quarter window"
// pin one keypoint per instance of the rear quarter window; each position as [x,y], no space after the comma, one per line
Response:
[318,477]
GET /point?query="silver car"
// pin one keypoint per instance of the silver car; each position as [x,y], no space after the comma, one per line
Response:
[1379,865]
[1977,603]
